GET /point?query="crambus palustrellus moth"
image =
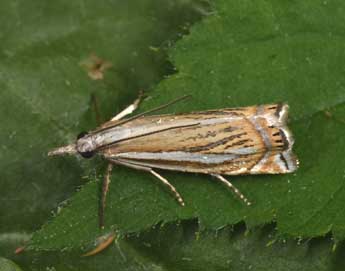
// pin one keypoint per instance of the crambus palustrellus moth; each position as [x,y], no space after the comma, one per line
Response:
[232,141]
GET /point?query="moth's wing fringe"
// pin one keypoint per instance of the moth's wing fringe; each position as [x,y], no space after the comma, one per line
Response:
[283,113]
[278,118]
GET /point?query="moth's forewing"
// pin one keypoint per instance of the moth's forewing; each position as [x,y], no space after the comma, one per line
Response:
[247,140]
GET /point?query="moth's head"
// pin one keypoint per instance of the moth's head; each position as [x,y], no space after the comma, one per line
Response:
[84,146]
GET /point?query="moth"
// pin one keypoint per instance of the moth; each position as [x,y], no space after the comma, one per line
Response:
[230,141]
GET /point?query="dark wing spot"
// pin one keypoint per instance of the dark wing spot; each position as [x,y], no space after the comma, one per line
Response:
[284,139]
[279,108]
[214,144]
[284,161]
[238,143]
[230,129]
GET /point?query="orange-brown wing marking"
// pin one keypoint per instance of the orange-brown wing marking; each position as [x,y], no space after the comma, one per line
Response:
[230,141]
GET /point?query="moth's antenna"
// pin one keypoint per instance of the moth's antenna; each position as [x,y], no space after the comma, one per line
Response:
[144,113]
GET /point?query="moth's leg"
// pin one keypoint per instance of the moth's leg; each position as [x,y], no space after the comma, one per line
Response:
[94,102]
[129,109]
[171,187]
[105,188]
[105,240]
[159,177]
[233,188]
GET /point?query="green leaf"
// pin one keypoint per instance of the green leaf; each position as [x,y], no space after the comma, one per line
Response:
[183,247]
[7,265]
[244,53]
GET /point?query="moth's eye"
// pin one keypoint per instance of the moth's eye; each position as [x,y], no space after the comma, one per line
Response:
[82,134]
[87,154]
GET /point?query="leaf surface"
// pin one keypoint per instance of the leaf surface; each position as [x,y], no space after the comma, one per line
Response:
[183,247]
